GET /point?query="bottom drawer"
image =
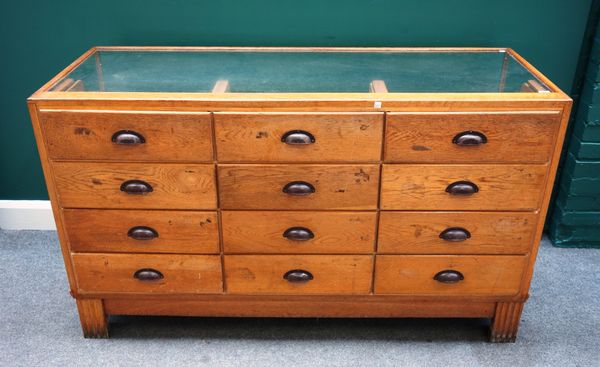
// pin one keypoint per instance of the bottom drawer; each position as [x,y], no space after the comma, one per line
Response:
[124,273]
[298,274]
[449,275]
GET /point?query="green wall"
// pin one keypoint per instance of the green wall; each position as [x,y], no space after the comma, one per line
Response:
[39,38]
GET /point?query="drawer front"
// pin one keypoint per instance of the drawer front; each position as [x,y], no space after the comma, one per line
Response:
[471,137]
[454,275]
[426,187]
[161,231]
[298,232]
[342,187]
[456,232]
[306,274]
[121,273]
[298,137]
[130,136]
[102,185]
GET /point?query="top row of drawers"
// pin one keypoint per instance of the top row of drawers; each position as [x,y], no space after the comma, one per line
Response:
[311,137]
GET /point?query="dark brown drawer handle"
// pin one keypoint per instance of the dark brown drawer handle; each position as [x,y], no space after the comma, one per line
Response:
[298,137]
[469,139]
[299,188]
[462,188]
[455,234]
[449,276]
[148,275]
[142,233]
[136,187]
[298,276]
[298,234]
[128,137]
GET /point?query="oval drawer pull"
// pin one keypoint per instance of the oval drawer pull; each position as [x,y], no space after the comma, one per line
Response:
[469,139]
[299,188]
[298,276]
[298,234]
[128,137]
[142,233]
[449,276]
[462,188]
[298,137]
[148,275]
[136,187]
[455,234]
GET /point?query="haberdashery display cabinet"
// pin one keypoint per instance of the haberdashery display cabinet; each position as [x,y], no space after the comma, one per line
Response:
[300,182]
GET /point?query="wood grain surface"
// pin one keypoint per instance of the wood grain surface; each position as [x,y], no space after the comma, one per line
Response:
[232,305]
[334,232]
[339,137]
[90,230]
[81,135]
[113,273]
[98,185]
[511,137]
[483,275]
[423,187]
[333,274]
[338,187]
[491,232]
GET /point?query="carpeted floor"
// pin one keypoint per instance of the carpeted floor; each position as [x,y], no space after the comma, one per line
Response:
[39,325]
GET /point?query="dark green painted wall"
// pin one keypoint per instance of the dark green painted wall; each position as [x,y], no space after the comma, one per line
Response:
[575,220]
[39,38]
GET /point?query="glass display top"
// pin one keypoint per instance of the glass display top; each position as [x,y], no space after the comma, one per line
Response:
[300,72]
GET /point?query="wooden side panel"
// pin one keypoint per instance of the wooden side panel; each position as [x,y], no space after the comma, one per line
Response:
[511,137]
[338,137]
[334,232]
[423,187]
[340,274]
[337,187]
[98,185]
[483,275]
[490,233]
[90,230]
[50,184]
[88,135]
[114,273]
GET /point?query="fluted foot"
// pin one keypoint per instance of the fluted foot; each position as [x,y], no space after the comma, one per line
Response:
[94,321]
[505,323]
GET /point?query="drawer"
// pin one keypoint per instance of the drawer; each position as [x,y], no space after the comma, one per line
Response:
[125,273]
[426,187]
[105,185]
[127,136]
[301,274]
[298,232]
[456,232]
[161,231]
[449,275]
[477,137]
[298,137]
[341,187]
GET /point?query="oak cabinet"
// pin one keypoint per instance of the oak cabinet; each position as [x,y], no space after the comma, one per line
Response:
[300,182]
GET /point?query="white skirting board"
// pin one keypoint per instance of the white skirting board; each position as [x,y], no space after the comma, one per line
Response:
[26,214]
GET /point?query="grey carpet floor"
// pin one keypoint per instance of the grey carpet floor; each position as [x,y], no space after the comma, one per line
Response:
[39,325]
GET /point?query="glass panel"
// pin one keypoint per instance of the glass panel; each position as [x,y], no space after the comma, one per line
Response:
[300,72]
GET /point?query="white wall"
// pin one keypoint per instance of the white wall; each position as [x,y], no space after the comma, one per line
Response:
[26,214]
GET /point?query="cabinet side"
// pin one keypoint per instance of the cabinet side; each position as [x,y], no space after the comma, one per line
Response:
[49,179]
[548,186]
